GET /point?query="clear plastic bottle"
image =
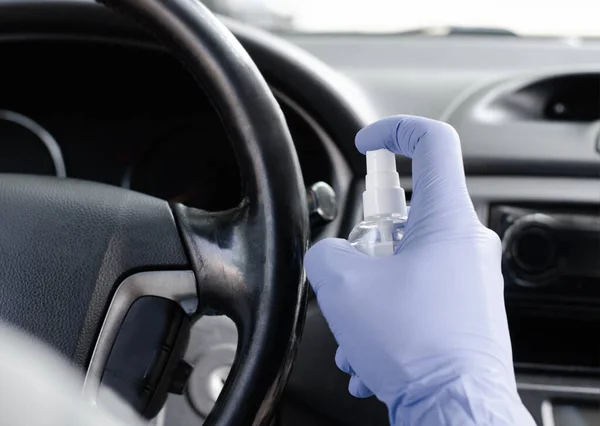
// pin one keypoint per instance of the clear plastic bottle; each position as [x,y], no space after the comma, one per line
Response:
[384,207]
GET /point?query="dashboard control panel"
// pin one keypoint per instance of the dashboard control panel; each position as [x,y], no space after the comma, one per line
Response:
[550,253]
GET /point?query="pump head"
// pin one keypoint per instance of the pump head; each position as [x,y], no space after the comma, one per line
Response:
[383,194]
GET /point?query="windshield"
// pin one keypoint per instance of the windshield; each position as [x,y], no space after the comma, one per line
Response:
[435,17]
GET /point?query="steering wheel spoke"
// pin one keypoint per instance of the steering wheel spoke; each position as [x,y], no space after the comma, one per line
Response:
[222,256]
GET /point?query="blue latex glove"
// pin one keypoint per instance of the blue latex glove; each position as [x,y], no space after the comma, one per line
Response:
[424,330]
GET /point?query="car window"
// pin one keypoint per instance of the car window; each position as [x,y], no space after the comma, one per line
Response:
[434,17]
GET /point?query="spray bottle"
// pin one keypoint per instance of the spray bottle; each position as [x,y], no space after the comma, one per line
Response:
[384,207]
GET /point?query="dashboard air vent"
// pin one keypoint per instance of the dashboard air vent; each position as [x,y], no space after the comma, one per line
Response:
[567,98]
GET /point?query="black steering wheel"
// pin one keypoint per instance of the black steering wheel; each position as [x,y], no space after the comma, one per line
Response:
[77,257]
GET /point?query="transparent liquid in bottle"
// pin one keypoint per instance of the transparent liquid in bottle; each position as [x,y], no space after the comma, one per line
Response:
[384,207]
[378,235]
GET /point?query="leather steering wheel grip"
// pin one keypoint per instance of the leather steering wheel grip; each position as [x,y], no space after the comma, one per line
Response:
[248,262]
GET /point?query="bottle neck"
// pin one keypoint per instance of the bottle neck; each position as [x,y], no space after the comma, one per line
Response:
[384,201]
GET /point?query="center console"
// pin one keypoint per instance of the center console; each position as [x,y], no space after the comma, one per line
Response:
[551,268]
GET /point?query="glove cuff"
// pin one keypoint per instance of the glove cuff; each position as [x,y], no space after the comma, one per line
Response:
[485,396]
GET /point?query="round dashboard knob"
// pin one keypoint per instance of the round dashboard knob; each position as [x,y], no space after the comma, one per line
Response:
[530,252]
[533,250]
[322,204]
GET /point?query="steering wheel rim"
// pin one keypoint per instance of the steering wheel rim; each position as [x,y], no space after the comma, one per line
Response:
[247,261]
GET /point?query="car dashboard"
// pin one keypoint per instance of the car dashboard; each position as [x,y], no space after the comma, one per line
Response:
[125,116]
[87,95]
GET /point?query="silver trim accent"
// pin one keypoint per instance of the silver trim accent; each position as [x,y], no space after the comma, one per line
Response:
[488,189]
[179,286]
[529,189]
[547,414]
[126,179]
[216,381]
[42,134]
[578,390]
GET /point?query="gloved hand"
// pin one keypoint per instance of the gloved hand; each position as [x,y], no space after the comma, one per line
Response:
[424,330]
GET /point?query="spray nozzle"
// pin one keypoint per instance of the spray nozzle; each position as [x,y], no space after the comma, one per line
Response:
[383,194]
